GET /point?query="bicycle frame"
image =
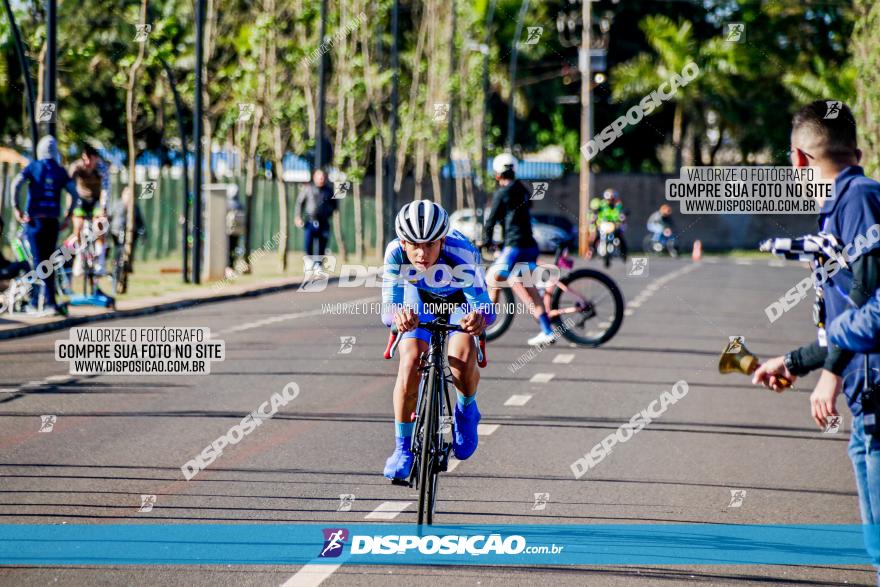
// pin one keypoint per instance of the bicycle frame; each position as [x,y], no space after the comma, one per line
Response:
[433,414]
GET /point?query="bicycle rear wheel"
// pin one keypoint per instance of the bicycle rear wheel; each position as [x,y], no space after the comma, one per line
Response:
[506,309]
[588,306]
[428,458]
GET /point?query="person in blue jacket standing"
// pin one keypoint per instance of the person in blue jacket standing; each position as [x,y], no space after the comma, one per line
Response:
[46,179]
[824,136]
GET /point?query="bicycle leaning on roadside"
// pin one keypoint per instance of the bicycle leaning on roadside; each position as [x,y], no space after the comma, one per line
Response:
[585,305]
[433,424]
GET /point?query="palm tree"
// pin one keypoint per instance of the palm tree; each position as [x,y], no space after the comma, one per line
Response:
[675,46]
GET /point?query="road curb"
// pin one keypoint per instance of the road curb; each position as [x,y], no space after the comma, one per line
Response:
[33,329]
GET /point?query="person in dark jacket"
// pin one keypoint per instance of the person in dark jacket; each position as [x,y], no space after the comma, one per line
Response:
[828,142]
[314,209]
[46,179]
[510,208]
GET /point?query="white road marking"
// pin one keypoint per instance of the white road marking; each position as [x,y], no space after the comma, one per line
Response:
[59,379]
[634,305]
[486,429]
[563,358]
[743,262]
[517,400]
[629,312]
[542,377]
[388,510]
[283,317]
[453,463]
[310,575]
[8,390]
[776,263]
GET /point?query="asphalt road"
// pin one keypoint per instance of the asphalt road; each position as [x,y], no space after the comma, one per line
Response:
[117,438]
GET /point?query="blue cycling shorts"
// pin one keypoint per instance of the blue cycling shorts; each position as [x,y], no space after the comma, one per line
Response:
[509,257]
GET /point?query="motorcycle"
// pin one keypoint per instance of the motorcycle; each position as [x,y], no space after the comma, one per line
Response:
[608,243]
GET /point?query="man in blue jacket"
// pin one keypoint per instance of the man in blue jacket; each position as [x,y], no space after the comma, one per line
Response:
[824,136]
[46,180]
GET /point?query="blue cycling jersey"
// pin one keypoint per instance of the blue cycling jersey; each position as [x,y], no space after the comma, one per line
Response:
[457,271]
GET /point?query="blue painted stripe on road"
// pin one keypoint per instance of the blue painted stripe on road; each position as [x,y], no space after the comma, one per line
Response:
[296,544]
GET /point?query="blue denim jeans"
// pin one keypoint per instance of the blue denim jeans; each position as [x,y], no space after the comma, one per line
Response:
[864,451]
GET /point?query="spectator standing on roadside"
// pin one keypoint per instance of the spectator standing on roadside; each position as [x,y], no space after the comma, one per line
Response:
[45,179]
[829,143]
[314,209]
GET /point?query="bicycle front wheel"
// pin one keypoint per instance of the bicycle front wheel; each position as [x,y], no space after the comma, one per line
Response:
[588,307]
[428,456]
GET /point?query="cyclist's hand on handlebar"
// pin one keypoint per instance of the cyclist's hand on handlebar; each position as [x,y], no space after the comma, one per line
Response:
[21,217]
[406,319]
[473,324]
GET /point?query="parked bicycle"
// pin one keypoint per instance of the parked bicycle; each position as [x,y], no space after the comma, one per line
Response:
[585,305]
[433,424]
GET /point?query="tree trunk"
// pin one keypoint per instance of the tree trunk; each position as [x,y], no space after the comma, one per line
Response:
[253,144]
[379,202]
[358,222]
[677,129]
[130,120]
[282,196]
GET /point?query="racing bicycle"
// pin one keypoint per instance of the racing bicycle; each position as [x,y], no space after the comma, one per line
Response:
[434,422]
[585,305]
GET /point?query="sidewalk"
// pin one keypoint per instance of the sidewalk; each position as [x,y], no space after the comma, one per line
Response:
[147,294]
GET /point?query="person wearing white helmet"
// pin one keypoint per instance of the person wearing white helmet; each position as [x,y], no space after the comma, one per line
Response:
[427,260]
[510,208]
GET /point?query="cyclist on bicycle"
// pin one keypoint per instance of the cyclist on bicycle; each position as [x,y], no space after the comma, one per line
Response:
[425,248]
[92,186]
[511,204]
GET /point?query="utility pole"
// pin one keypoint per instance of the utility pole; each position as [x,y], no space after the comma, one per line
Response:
[49,93]
[586,107]
[484,157]
[511,114]
[197,139]
[322,94]
[391,193]
[448,195]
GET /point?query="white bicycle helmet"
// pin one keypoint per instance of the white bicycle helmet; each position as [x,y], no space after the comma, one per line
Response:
[421,221]
[504,162]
